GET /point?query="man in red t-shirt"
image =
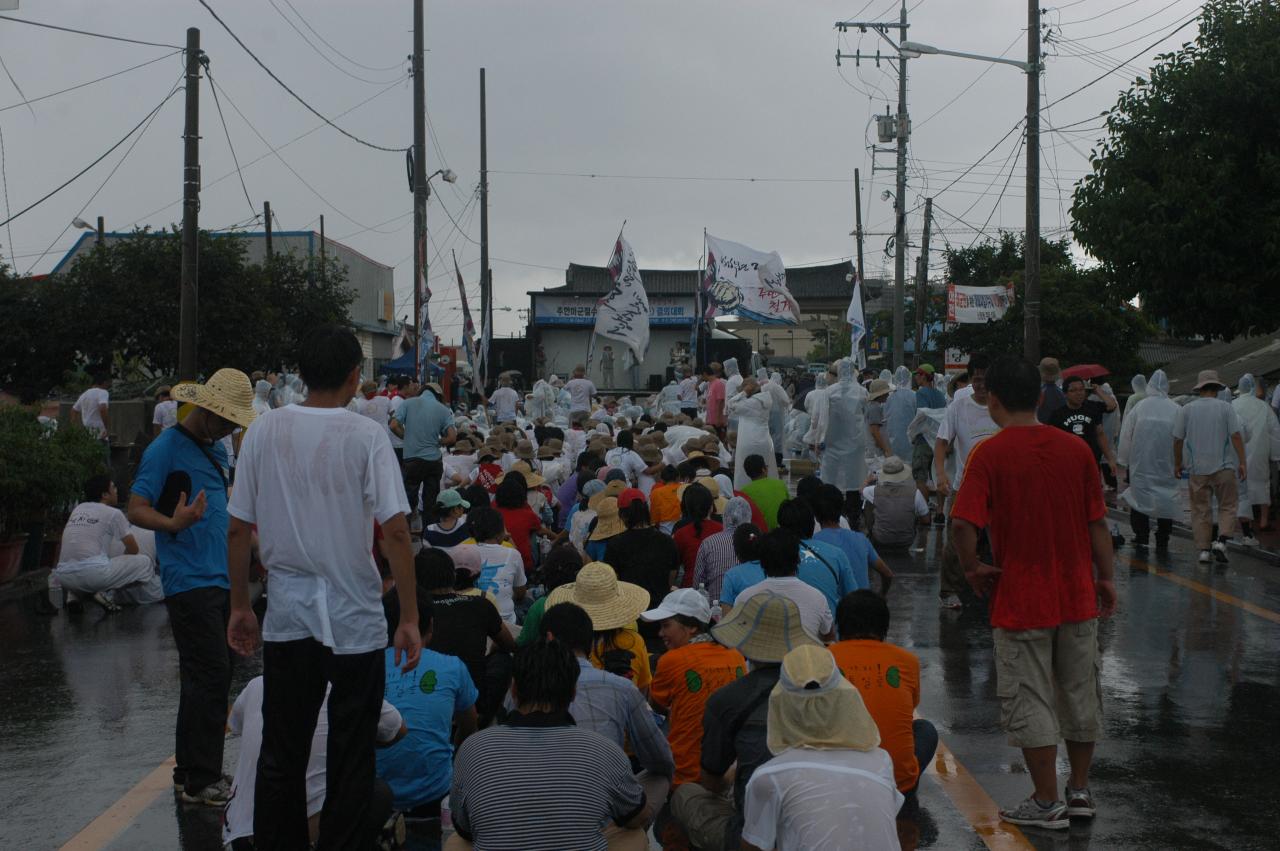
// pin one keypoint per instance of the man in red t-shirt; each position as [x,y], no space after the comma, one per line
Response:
[1036,491]
[715,398]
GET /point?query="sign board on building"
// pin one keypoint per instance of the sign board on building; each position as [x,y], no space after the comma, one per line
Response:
[575,310]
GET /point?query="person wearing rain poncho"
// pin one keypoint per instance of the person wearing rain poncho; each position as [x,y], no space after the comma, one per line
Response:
[541,401]
[815,407]
[751,407]
[669,398]
[843,461]
[261,397]
[772,384]
[899,411]
[1261,446]
[732,384]
[1145,438]
[1139,385]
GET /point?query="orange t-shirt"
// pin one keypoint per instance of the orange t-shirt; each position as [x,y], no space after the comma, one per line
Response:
[664,503]
[627,639]
[889,679]
[685,678]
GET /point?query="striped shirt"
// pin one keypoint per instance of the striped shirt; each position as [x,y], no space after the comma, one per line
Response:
[539,783]
[612,706]
[715,557]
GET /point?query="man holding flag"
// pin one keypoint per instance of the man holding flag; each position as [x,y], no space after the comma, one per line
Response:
[623,314]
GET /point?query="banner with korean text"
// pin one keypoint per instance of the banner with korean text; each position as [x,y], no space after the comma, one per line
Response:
[741,281]
[977,305]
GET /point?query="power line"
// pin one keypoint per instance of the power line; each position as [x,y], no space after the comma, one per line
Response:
[272,151]
[1134,24]
[1100,15]
[963,91]
[1137,55]
[285,163]
[674,177]
[86,32]
[88,83]
[82,171]
[147,122]
[294,94]
[227,133]
[329,44]
[318,51]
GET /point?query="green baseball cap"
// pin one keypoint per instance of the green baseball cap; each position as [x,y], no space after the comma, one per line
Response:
[452,499]
[926,368]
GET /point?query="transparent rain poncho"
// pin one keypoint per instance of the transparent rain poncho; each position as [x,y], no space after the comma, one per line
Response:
[899,411]
[752,413]
[844,461]
[1146,448]
[1261,445]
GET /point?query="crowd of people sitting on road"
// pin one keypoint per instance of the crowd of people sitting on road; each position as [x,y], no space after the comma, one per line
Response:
[567,620]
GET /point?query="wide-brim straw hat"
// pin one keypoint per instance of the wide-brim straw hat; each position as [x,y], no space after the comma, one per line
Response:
[608,521]
[524,449]
[550,449]
[531,478]
[463,446]
[718,502]
[814,706]
[878,390]
[764,628]
[649,453]
[610,604]
[227,393]
[611,489]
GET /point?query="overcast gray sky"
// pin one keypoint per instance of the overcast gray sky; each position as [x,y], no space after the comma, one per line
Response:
[677,95]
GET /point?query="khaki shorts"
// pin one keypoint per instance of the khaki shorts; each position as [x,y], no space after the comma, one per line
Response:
[1049,684]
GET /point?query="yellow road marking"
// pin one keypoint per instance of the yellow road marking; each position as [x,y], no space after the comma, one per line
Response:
[973,802]
[106,827]
[1222,596]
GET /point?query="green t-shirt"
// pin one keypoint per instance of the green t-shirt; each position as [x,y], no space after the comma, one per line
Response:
[529,631]
[768,494]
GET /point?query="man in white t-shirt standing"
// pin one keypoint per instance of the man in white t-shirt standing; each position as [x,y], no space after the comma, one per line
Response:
[505,400]
[165,414]
[85,565]
[90,410]
[966,424]
[315,478]
[580,391]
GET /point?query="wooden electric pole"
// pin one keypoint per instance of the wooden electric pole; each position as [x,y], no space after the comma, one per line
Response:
[419,190]
[1031,239]
[188,310]
[922,280]
[323,273]
[486,282]
[266,218]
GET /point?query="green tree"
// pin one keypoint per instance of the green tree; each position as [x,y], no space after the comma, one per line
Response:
[120,302]
[1083,319]
[1183,205]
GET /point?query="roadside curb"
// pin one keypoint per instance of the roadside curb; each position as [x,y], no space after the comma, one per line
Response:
[1182,531]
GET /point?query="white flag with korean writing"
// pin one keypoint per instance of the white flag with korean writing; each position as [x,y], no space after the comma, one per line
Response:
[744,282]
[623,314]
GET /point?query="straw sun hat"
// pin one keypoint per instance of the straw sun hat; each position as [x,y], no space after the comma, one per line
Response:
[764,628]
[608,522]
[611,604]
[227,393]
[531,479]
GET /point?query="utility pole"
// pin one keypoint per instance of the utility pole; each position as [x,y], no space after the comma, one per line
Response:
[266,217]
[419,188]
[486,282]
[922,281]
[102,230]
[857,230]
[188,310]
[322,265]
[901,132]
[900,206]
[1031,239]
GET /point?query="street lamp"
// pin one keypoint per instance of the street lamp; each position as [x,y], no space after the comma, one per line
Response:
[78,222]
[1031,241]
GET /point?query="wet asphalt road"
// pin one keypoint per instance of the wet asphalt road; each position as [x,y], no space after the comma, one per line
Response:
[1191,686]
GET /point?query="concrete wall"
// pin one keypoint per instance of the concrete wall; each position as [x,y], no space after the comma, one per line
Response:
[565,348]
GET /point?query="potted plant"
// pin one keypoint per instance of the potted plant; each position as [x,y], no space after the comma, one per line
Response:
[41,476]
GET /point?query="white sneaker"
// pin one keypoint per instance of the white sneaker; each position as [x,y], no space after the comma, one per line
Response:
[1250,541]
[1220,551]
[951,601]
[1205,557]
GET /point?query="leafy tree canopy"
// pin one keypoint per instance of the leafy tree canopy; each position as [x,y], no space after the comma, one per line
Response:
[119,302]
[1082,318]
[1183,205]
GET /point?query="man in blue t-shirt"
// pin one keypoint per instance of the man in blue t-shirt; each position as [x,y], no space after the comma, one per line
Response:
[426,425]
[927,395]
[828,509]
[822,565]
[180,492]
[431,698]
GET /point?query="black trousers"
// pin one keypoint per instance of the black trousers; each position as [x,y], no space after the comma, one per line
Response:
[379,813]
[1141,524]
[198,619]
[421,473]
[294,676]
